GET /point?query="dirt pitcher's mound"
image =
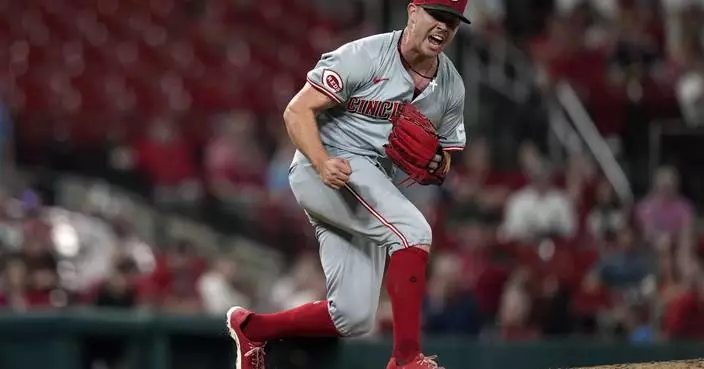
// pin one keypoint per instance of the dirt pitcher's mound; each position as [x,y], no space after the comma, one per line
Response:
[686,364]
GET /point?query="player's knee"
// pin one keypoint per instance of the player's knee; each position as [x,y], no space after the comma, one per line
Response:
[419,234]
[359,323]
[353,320]
[425,234]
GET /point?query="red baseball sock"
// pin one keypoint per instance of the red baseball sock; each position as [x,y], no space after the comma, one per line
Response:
[308,320]
[406,287]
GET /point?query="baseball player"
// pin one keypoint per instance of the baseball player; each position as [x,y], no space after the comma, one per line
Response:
[375,105]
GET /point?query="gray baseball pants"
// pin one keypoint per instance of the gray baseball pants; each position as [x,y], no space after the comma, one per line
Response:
[356,227]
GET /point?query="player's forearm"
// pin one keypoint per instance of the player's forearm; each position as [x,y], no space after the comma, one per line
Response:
[303,131]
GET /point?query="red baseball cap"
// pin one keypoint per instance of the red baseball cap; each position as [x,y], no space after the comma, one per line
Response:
[454,7]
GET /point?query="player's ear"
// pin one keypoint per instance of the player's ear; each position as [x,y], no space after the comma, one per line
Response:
[412,10]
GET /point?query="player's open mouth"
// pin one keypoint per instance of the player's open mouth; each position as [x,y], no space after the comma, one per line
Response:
[436,40]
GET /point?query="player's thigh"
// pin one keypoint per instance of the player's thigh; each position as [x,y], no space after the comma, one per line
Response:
[370,204]
[387,210]
[354,270]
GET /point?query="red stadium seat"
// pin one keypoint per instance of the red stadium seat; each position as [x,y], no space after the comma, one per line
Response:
[32,94]
[109,56]
[5,29]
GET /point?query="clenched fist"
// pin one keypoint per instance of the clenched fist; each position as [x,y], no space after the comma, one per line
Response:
[334,172]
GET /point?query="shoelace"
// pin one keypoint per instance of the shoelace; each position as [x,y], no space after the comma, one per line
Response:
[429,361]
[256,357]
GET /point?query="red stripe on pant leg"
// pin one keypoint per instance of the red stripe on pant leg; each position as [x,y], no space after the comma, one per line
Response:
[378,216]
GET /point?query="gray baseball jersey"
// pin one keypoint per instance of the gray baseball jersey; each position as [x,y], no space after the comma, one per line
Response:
[369,81]
[357,225]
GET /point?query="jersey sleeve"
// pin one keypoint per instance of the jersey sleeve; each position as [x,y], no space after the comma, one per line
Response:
[339,73]
[452,128]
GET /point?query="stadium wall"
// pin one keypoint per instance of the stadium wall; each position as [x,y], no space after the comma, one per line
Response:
[58,340]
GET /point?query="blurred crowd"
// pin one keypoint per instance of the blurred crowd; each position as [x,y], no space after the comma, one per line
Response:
[538,252]
[518,255]
[549,248]
[636,65]
[53,258]
[521,253]
[616,53]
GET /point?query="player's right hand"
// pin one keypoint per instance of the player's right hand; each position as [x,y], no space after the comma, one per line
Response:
[335,172]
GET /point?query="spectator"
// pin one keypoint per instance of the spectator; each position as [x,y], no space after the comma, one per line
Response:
[41,288]
[473,243]
[666,216]
[304,283]
[279,216]
[539,210]
[690,93]
[553,307]
[607,215]
[222,287]
[486,265]
[579,182]
[121,157]
[575,52]
[664,212]
[118,290]
[14,283]
[591,302]
[165,157]
[277,174]
[671,281]
[449,308]
[234,165]
[487,15]
[637,47]
[639,324]
[11,232]
[175,279]
[530,159]
[690,85]
[516,309]
[478,192]
[627,266]
[34,270]
[684,317]
[130,245]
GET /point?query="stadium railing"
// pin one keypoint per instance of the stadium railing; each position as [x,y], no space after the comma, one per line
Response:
[260,263]
[58,340]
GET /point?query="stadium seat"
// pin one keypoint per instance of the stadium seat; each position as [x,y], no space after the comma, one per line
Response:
[111,56]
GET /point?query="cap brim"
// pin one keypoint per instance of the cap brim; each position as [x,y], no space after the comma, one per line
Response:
[447,10]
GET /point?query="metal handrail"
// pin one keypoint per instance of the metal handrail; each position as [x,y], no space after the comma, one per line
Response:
[601,151]
[563,134]
[503,52]
[567,106]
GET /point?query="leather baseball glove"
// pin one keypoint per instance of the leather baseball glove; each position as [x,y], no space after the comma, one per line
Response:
[413,145]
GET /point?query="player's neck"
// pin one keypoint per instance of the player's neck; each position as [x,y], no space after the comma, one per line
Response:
[415,58]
